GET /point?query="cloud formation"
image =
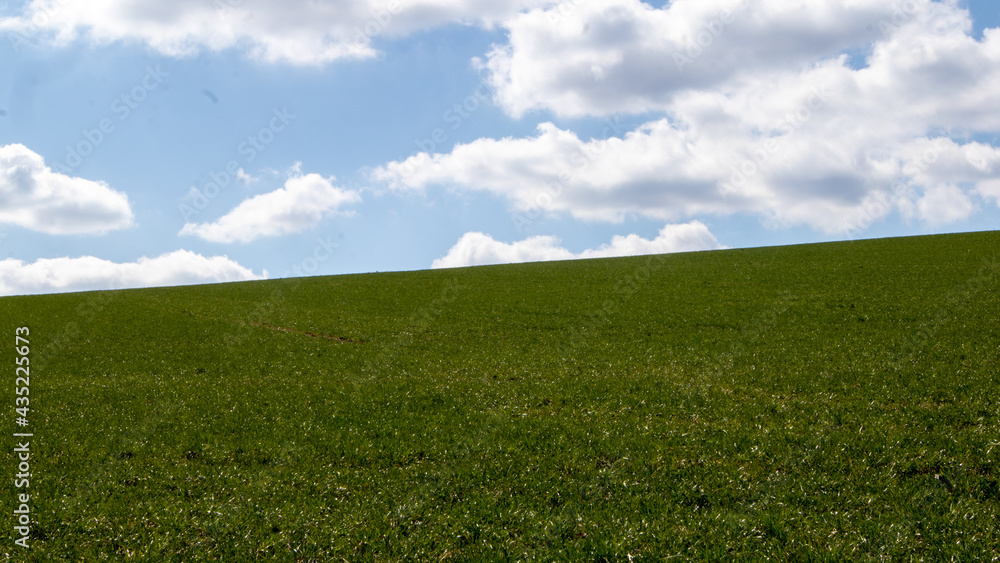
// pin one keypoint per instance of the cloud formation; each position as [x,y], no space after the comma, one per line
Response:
[770,116]
[477,249]
[625,56]
[35,197]
[55,275]
[302,203]
[299,32]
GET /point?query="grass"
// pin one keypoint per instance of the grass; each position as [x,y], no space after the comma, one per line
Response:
[833,402]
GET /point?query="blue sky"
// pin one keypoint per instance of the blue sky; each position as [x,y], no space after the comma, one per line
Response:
[365,135]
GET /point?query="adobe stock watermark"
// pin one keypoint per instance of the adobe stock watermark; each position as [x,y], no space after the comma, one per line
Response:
[962,297]
[623,290]
[225,5]
[787,126]
[378,20]
[199,198]
[309,265]
[122,107]
[706,36]
[455,116]
[85,313]
[377,23]
[881,203]
[902,13]
[23,435]
[524,218]
[43,13]
[264,310]
[560,12]
[752,331]
[418,323]
[703,38]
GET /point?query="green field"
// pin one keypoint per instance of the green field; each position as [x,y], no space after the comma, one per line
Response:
[833,402]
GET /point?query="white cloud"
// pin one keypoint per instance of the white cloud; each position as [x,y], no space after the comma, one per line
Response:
[476,249]
[685,237]
[35,197]
[944,204]
[55,275]
[587,58]
[301,32]
[244,177]
[301,204]
[791,131]
[990,189]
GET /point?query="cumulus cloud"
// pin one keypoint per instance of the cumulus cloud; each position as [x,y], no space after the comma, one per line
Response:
[35,197]
[990,189]
[477,249]
[595,58]
[791,130]
[685,237]
[945,204]
[55,275]
[302,203]
[301,32]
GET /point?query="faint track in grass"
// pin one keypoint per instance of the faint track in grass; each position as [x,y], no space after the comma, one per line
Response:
[278,328]
[306,332]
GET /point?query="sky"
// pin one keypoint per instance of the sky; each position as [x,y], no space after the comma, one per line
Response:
[152,143]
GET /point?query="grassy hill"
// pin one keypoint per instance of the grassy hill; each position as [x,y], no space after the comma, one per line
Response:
[809,403]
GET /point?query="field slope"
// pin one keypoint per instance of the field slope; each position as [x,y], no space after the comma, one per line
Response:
[807,403]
